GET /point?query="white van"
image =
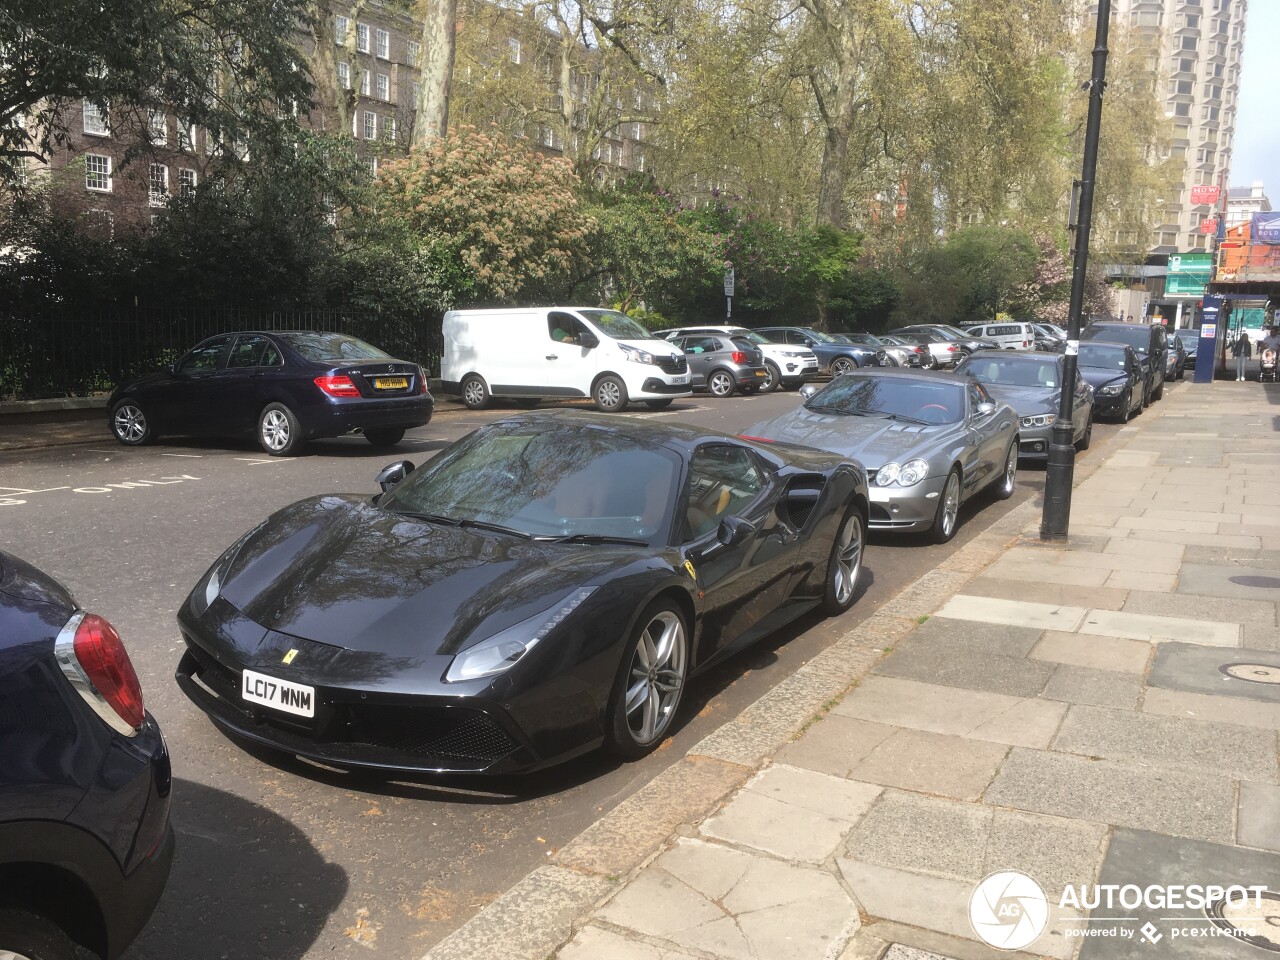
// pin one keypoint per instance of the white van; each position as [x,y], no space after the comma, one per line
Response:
[1010,335]
[539,352]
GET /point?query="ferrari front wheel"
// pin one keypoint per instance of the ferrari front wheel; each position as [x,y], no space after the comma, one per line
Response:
[650,680]
[844,564]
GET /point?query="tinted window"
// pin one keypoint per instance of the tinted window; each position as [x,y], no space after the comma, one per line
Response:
[1012,373]
[205,356]
[328,347]
[1098,355]
[1138,337]
[933,401]
[723,480]
[247,352]
[701,345]
[548,484]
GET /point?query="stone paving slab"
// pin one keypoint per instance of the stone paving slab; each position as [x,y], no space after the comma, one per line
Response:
[598,943]
[1138,580]
[1104,598]
[1099,653]
[968,666]
[1018,613]
[1010,640]
[1102,688]
[1037,571]
[1145,859]
[1215,581]
[1141,626]
[792,813]
[1257,618]
[932,763]
[1196,669]
[834,744]
[1104,791]
[1134,547]
[1147,740]
[1258,818]
[1196,706]
[951,710]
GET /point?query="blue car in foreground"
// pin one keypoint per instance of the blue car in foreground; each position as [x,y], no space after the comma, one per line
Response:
[85,839]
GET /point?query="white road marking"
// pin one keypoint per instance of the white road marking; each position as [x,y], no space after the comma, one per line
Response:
[190,456]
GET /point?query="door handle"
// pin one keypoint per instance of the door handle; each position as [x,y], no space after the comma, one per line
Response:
[552,356]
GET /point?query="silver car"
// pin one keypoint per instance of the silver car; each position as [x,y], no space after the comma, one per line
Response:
[1031,383]
[723,364]
[929,442]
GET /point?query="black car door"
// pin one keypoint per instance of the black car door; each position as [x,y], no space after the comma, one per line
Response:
[732,541]
[190,395]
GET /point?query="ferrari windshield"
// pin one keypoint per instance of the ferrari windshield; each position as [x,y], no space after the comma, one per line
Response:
[584,481]
[1101,355]
[1013,371]
[909,398]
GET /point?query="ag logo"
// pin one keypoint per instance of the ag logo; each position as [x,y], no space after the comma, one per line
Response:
[1008,910]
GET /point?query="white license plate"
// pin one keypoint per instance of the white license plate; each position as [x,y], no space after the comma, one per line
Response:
[684,379]
[278,694]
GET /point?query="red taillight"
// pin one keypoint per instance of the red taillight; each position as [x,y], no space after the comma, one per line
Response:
[338,386]
[98,666]
[747,436]
[952,348]
[738,356]
[422,380]
[919,349]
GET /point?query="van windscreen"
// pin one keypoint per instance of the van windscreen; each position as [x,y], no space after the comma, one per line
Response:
[617,325]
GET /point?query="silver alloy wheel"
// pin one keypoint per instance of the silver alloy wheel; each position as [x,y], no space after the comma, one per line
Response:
[275,430]
[473,393]
[720,384]
[655,678]
[608,395]
[842,365]
[1010,471]
[130,424]
[848,557]
[951,502]
[771,378]
[10,955]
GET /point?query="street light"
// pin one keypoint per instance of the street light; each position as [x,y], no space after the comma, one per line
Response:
[1062,452]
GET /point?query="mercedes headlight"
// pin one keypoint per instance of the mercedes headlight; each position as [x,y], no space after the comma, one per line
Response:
[507,647]
[636,355]
[904,475]
[1040,420]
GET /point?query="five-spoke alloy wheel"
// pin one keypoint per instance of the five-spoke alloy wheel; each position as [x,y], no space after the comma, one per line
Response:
[655,666]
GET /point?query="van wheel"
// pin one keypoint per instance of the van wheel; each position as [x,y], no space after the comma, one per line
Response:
[610,394]
[475,392]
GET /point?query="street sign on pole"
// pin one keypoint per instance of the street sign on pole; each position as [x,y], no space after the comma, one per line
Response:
[728,289]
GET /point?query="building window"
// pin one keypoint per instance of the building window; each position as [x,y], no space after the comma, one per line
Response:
[344,76]
[417,93]
[158,127]
[95,120]
[1189,43]
[640,162]
[415,52]
[366,83]
[389,129]
[384,44]
[97,172]
[186,183]
[370,125]
[384,87]
[158,188]
[1179,87]
[373,166]
[186,136]
[546,136]
[362,37]
[635,132]
[513,50]
[341,27]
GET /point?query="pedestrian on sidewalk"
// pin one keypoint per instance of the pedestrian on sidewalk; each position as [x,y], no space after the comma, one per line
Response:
[1242,350]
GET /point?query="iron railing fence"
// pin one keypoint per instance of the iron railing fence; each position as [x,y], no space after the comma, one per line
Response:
[56,352]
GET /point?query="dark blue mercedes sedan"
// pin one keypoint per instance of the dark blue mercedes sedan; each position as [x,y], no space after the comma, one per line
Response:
[283,387]
[85,839]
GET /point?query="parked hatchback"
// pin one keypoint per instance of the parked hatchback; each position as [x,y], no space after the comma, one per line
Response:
[834,356]
[283,388]
[786,366]
[722,364]
[85,840]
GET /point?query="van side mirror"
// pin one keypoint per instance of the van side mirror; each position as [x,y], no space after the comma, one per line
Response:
[393,473]
[588,339]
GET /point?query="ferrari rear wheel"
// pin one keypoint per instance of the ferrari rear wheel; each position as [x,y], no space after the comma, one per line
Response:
[844,564]
[650,681]
[947,520]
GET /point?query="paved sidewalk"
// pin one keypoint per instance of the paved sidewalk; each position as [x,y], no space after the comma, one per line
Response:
[1099,712]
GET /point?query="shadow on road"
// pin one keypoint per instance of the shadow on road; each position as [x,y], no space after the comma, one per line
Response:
[263,889]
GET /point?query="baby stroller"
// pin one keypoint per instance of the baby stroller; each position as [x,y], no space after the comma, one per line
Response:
[1268,357]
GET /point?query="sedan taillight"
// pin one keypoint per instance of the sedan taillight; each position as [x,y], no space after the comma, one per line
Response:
[422,380]
[338,386]
[93,659]
[738,356]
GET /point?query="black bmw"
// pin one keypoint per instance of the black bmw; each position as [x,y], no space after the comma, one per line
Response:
[545,586]
[283,387]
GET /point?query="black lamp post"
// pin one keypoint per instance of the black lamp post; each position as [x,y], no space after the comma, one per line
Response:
[1062,451]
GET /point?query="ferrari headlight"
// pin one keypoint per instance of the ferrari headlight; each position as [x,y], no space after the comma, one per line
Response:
[1040,420]
[210,585]
[506,648]
[1111,390]
[636,355]
[904,475]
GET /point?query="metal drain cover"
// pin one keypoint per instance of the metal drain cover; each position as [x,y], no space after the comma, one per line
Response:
[1246,580]
[1258,927]
[1253,672]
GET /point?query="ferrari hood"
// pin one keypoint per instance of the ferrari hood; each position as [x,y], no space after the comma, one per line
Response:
[872,441]
[337,570]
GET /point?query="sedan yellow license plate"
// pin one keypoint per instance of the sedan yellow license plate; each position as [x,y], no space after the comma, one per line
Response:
[390,383]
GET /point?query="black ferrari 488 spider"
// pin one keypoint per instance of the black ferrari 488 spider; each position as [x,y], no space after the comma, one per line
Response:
[545,586]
